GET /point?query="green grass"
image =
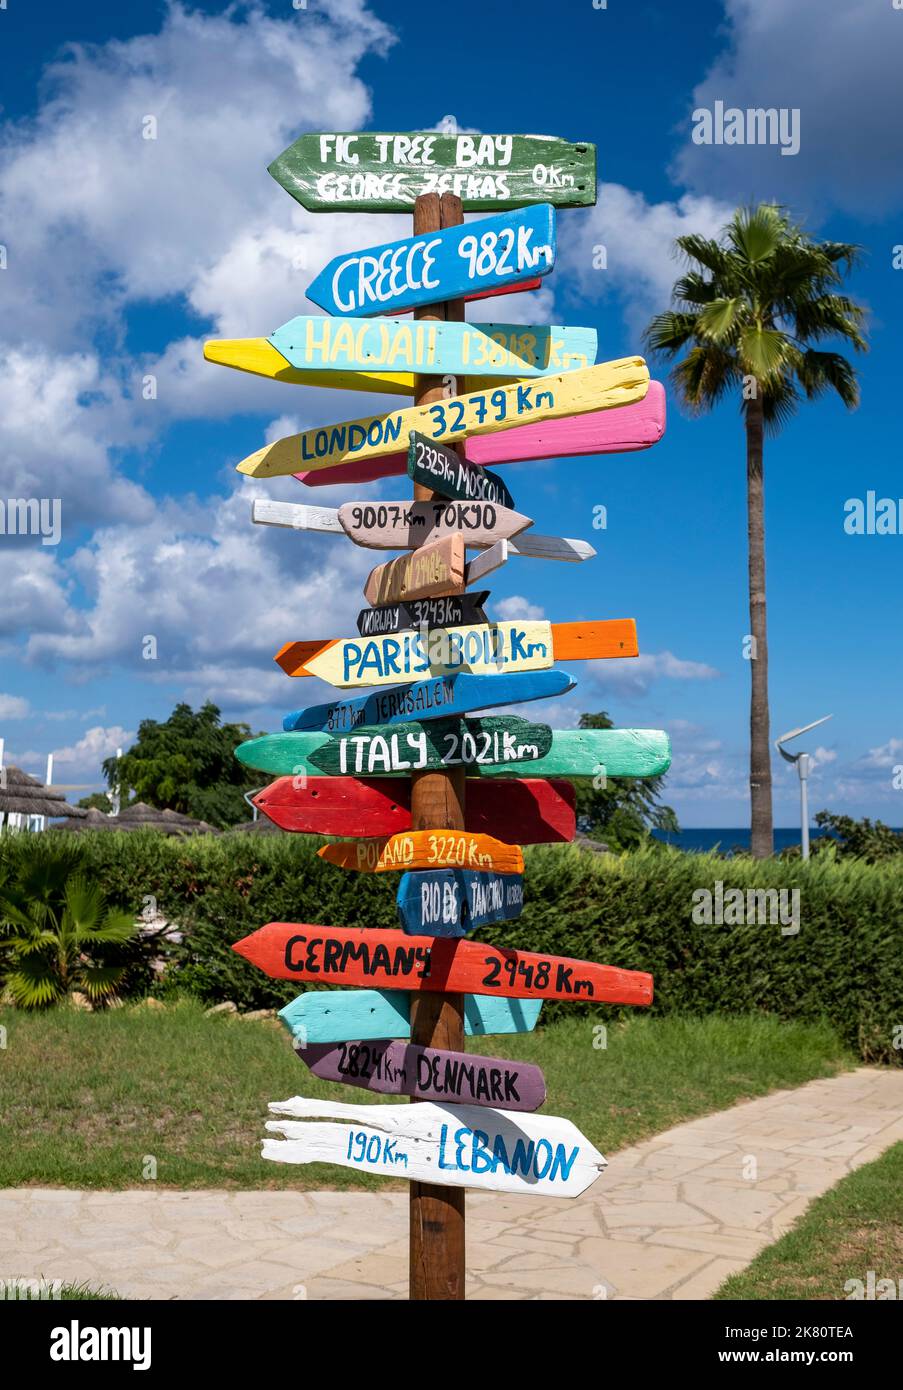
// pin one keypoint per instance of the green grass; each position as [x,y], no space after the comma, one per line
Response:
[854,1228]
[90,1099]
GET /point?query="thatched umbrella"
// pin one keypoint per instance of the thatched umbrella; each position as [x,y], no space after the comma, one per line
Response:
[140,816]
[263,826]
[29,797]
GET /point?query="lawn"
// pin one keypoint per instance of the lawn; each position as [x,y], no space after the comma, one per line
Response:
[116,1099]
[854,1228]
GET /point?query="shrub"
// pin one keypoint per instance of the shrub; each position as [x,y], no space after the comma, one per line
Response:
[635,910]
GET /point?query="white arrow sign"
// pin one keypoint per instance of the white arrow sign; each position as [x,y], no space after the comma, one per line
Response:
[447,1145]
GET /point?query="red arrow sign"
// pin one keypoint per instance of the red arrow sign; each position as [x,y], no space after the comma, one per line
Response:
[394,960]
[534,810]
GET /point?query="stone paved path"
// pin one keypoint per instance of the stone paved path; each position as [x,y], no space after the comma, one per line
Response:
[669,1218]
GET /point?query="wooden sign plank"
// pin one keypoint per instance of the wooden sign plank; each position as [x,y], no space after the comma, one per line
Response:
[396,1068]
[597,752]
[387,172]
[399,347]
[408,525]
[624,429]
[482,649]
[416,746]
[335,1015]
[260,357]
[440,265]
[455,610]
[533,811]
[436,569]
[433,699]
[425,849]
[536,547]
[574,753]
[445,1145]
[453,902]
[440,468]
[393,960]
[601,387]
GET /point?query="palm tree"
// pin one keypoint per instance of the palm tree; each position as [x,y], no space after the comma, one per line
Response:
[51,922]
[748,310]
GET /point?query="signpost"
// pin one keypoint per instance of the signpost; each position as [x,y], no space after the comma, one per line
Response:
[427,653]
[460,1145]
[439,467]
[397,1068]
[376,172]
[624,429]
[426,849]
[452,902]
[430,699]
[482,649]
[333,1015]
[533,810]
[349,346]
[380,748]
[486,747]
[450,419]
[455,262]
[392,959]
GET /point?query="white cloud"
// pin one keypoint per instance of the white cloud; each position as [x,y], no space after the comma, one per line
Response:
[634,675]
[88,753]
[517,607]
[840,66]
[14,707]
[638,238]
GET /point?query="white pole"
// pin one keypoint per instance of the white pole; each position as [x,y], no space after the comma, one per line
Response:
[117,790]
[802,766]
[48,780]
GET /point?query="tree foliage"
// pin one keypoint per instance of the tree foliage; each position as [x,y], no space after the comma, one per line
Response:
[187,763]
[625,809]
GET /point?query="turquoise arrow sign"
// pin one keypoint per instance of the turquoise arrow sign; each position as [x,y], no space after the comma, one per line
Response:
[484,255]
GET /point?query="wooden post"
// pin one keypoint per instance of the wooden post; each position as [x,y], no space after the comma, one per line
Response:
[437,800]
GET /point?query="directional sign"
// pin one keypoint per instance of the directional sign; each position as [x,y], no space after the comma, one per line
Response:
[425,849]
[397,1068]
[437,568]
[456,610]
[440,468]
[400,525]
[452,902]
[414,746]
[602,387]
[393,960]
[375,172]
[398,579]
[482,650]
[432,699]
[442,265]
[574,753]
[334,1015]
[621,430]
[533,811]
[446,1145]
[399,347]
[262,358]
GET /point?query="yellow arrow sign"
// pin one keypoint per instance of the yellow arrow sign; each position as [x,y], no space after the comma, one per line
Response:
[609,384]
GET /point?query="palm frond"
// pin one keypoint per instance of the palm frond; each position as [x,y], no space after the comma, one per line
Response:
[670,331]
[100,980]
[819,372]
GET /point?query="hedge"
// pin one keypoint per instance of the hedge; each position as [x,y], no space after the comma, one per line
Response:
[845,964]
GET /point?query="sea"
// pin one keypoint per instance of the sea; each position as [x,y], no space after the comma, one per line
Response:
[727,840]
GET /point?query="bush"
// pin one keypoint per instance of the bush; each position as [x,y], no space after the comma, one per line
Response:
[636,910]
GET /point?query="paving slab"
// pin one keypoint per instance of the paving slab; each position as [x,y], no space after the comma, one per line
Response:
[669,1218]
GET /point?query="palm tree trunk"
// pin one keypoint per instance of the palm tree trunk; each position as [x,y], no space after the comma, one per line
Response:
[762,833]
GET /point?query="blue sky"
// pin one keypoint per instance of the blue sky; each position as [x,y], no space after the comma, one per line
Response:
[123,254]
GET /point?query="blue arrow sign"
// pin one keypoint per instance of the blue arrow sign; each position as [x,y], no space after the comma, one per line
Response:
[478,256]
[432,699]
[339,1015]
[452,902]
